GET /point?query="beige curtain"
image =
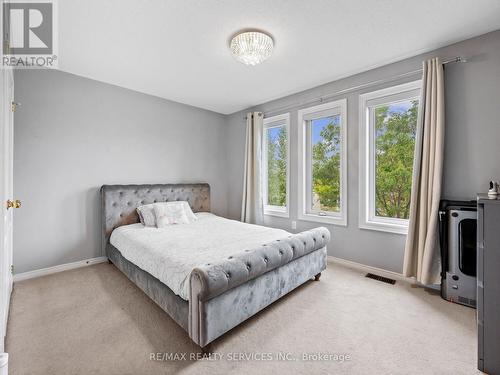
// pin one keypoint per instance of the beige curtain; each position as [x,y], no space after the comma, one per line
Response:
[422,246]
[252,208]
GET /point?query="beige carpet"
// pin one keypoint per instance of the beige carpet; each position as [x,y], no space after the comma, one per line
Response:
[94,321]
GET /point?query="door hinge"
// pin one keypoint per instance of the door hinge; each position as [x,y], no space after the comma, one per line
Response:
[14,105]
[6,44]
[12,269]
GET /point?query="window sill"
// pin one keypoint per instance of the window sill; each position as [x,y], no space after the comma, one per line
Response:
[333,220]
[276,213]
[385,227]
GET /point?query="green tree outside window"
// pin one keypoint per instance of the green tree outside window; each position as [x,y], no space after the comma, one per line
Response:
[395,129]
[276,142]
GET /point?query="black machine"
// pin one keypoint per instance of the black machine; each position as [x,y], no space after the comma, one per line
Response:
[458,242]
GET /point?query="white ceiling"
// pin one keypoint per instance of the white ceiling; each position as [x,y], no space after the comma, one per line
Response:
[178,49]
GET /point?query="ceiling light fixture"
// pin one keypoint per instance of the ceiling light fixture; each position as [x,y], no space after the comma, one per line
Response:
[251,47]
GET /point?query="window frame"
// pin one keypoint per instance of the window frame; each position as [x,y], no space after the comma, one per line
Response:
[304,181]
[367,216]
[270,122]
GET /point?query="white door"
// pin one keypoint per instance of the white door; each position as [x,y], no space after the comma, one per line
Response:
[6,195]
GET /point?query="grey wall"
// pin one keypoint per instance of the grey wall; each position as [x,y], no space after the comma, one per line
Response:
[472,143]
[74,134]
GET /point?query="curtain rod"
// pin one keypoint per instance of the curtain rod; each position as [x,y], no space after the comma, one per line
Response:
[458,59]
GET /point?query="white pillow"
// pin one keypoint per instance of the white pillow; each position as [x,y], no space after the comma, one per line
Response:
[170,214]
[148,217]
[189,213]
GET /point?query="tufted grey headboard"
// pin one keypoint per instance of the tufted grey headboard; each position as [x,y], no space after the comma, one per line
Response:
[119,202]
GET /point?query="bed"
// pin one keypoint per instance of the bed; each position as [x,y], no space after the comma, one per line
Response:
[211,275]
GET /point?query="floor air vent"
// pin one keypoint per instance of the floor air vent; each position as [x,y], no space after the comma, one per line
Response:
[381,278]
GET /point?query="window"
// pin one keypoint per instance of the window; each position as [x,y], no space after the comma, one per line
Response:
[388,121]
[322,164]
[276,165]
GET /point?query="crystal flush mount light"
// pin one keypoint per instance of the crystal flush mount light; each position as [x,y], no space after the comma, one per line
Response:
[251,47]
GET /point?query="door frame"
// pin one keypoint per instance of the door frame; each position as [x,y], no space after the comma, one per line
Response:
[6,188]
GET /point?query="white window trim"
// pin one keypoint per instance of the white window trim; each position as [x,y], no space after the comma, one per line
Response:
[339,218]
[367,218]
[271,210]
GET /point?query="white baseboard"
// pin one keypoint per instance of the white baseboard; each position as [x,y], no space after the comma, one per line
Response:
[369,269]
[59,268]
[91,261]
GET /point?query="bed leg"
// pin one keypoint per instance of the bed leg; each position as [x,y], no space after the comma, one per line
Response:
[316,278]
[109,261]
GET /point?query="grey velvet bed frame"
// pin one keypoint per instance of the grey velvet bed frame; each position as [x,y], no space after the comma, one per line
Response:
[223,293]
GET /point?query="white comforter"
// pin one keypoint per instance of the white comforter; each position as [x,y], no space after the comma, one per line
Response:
[171,253]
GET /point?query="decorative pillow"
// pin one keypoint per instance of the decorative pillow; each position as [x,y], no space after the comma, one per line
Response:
[147,215]
[141,219]
[170,213]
